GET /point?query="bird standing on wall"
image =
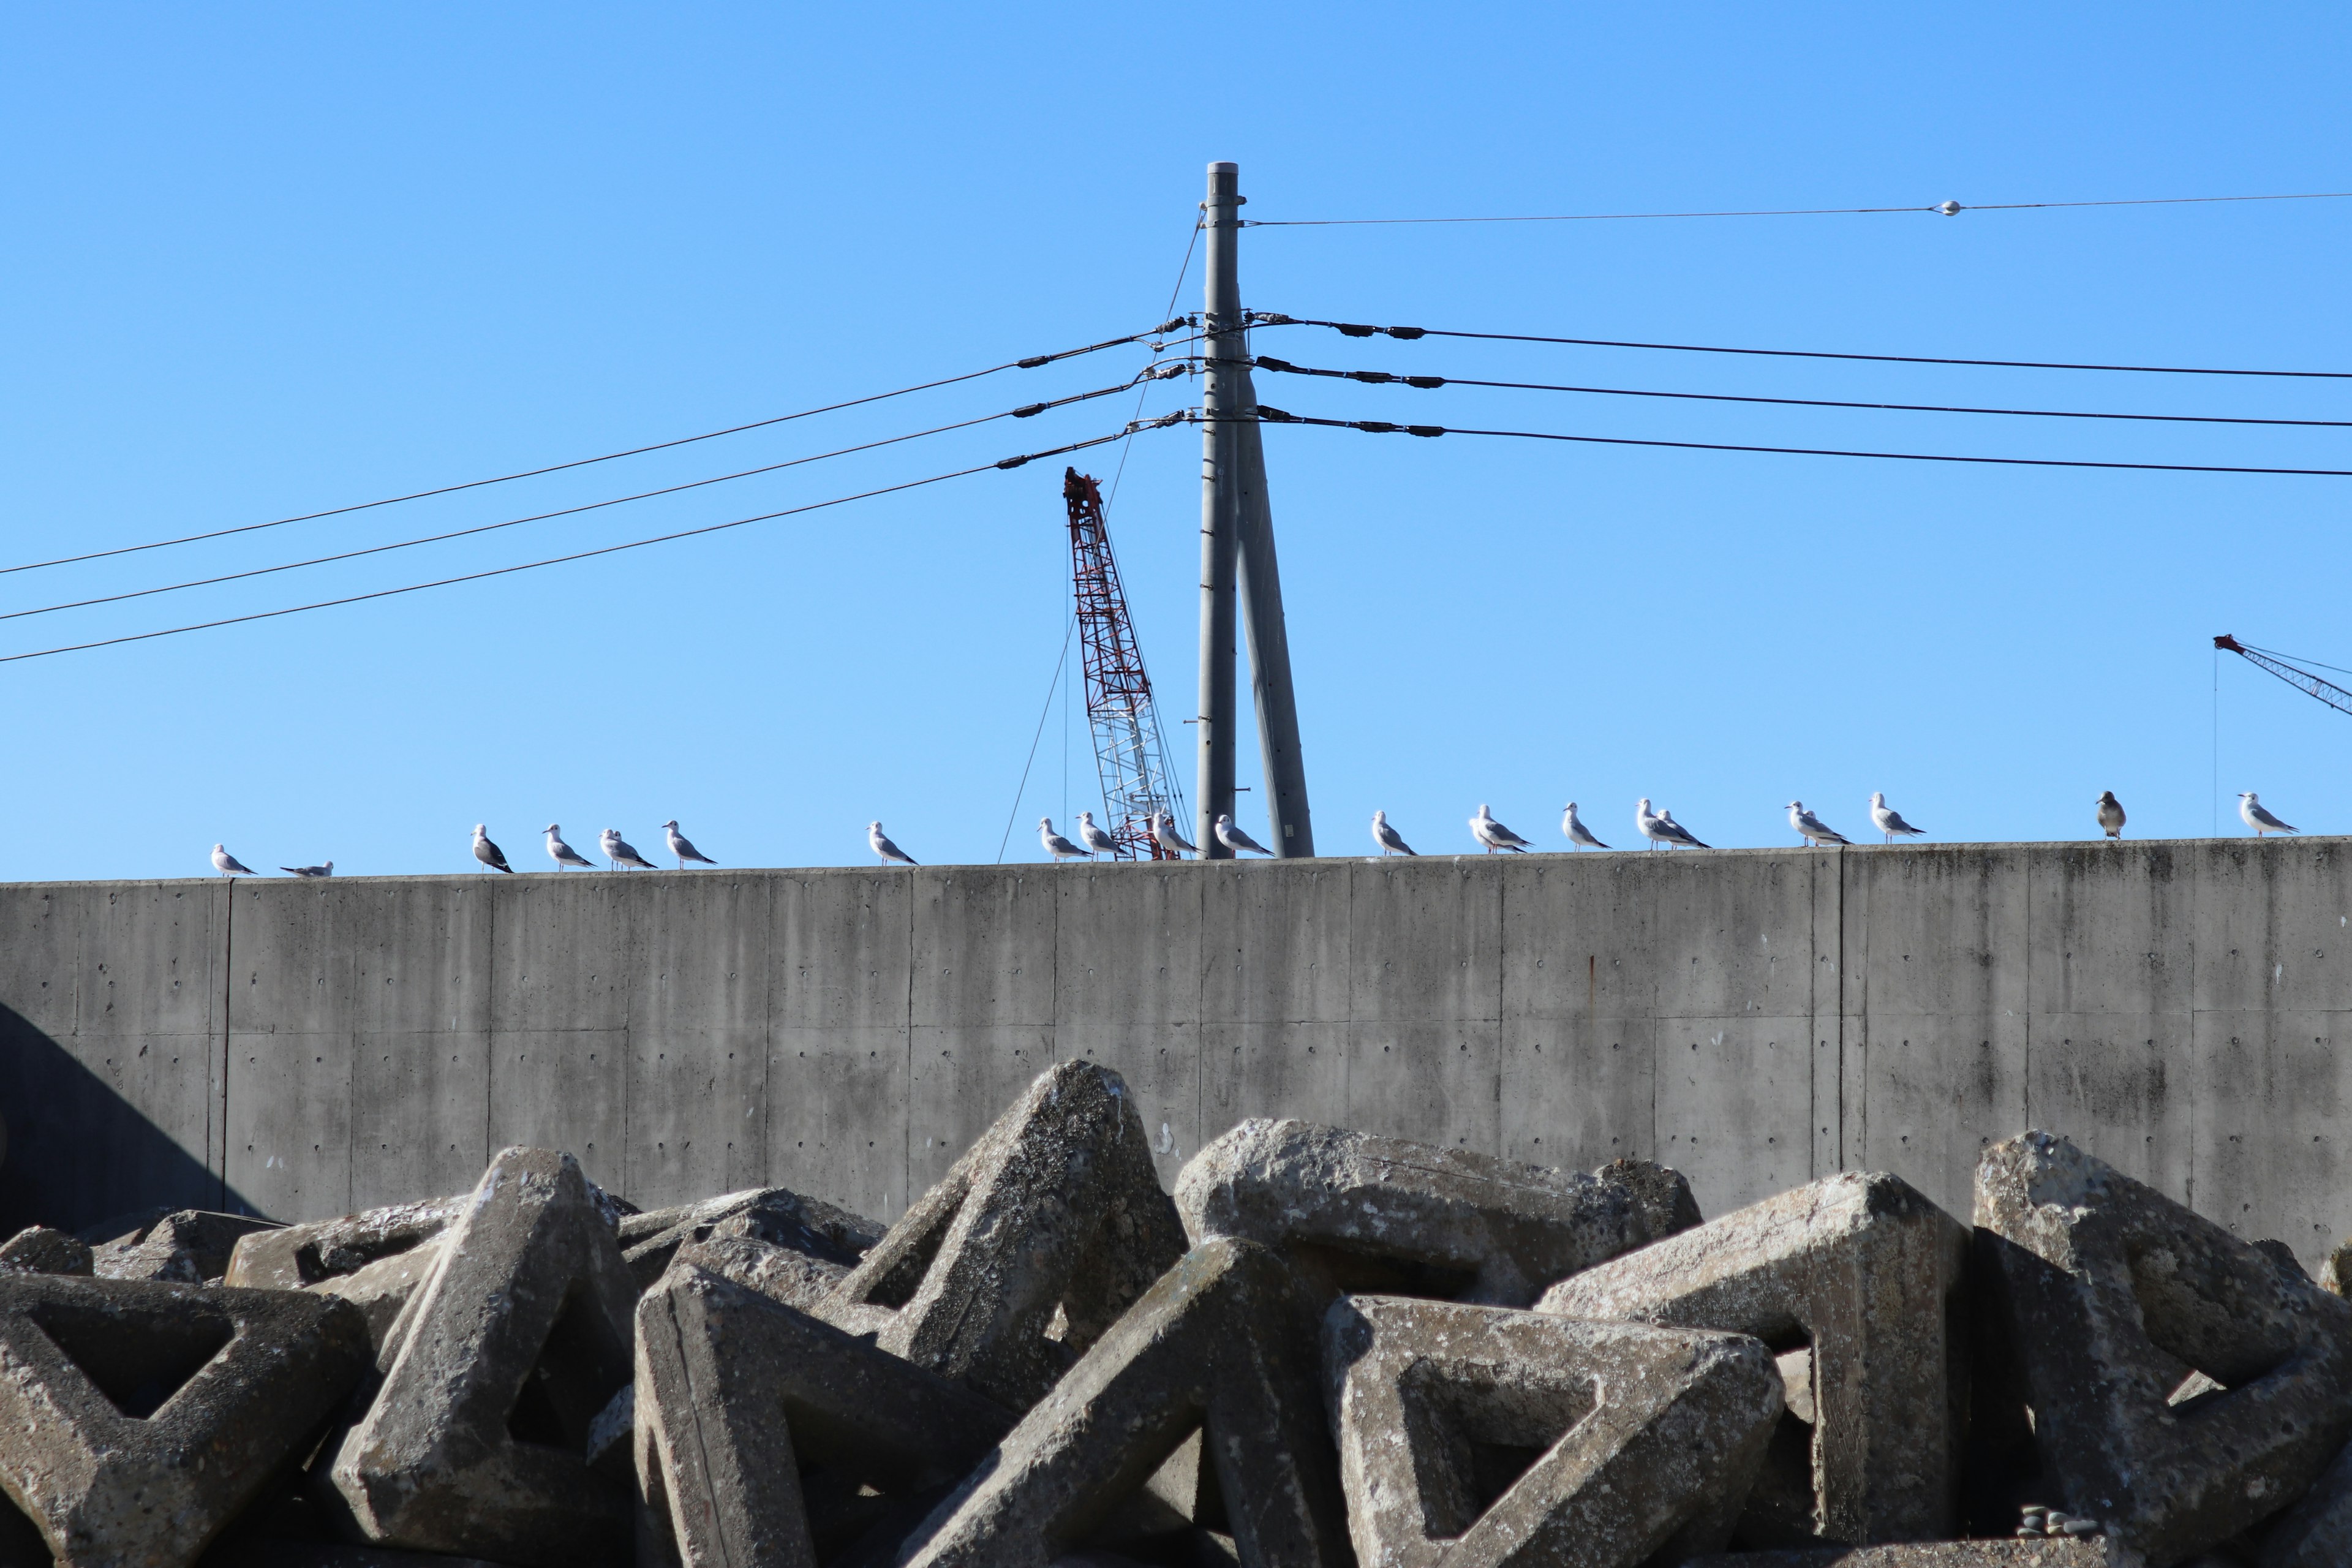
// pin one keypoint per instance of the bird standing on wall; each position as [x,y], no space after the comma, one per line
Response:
[2258,817]
[326,870]
[622,852]
[1887,820]
[1646,822]
[2111,813]
[487,853]
[1163,833]
[228,865]
[1059,848]
[1235,840]
[683,847]
[1391,841]
[1812,829]
[562,854]
[1678,834]
[1094,837]
[1578,835]
[884,847]
[1493,835]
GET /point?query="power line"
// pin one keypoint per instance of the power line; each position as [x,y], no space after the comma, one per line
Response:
[1946,209]
[1383,427]
[1032,363]
[1377,377]
[1022,413]
[578,555]
[1357,330]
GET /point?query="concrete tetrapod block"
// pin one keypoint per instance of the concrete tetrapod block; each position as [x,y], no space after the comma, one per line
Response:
[1478,1437]
[2054,1552]
[779,1272]
[475,1444]
[1860,1273]
[776,1216]
[1364,1212]
[737,1394]
[137,1418]
[383,1289]
[300,1255]
[2316,1532]
[2111,1294]
[1224,1342]
[40,1250]
[188,1246]
[1056,1211]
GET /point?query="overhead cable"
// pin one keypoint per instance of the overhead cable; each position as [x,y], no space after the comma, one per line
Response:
[1014,462]
[1153,373]
[1357,330]
[1032,363]
[1384,427]
[1946,209]
[1381,377]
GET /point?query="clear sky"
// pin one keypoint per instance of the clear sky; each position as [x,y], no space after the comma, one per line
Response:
[265,260]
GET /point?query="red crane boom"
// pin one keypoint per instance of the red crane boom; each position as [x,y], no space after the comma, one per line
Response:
[2302,680]
[1130,755]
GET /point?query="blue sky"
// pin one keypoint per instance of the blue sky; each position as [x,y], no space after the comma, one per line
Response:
[262,260]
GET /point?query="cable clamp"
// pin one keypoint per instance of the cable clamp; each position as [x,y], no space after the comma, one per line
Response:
[1354,330]
[1032,361]
[1271,319]
[1276,415]
[1265,362]
[1012,462]
[1423,381]
[1425,430]
[1375,426]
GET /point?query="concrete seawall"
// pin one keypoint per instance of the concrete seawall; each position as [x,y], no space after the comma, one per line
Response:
[1753,1017]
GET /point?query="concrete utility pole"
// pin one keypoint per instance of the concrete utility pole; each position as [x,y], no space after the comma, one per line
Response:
[1237,550]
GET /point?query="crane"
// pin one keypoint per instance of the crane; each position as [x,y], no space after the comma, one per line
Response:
[2311,685]
[1130,754]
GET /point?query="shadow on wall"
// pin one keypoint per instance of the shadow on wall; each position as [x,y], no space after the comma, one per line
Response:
[77,1152]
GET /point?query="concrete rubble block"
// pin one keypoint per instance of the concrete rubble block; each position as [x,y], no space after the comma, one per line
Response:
[302,1255]
[2316,1532]
[138,1418]
[738,1395]
[267,1554]
[779,1272]
[383,1289]
[1050,1226]
[475,1442]
[2097,1552]
[2111,1295]
[775,1216]
[188,1246]
[40,1250]
[1224,1343]
[1856,1282]
[1357,1212]
[1474,1435]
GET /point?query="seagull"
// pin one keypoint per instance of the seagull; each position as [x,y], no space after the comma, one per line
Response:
[326,870]
[1164,829]
[1678,834]
[1094,837]
[884,847]
[562,854]
[1059,848]
[1389,840]
[487,853]
[2254,814]
[682,846]
[1578,835]
[1235,840]
[2111,813]
[1812,829]
[618,850]
[228,865]
[1888,820]
[1652,824]
[1493,835]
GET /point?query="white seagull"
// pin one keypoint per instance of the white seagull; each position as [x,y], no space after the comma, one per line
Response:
[1235,840]
[1578,835]
[1094,838]
[884,847]
[1651,825]
[228,865]
[1812,829]
[2111,813]
[1888,820]
[1391,841]
[1678,833]
[562,854]
[618,850]
[1164,829]
[682,846]
[487,853]
[1493,835]
[2256,815]
[326,870]
[1059,848]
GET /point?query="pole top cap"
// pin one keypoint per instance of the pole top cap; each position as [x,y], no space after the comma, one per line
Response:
[1224,168]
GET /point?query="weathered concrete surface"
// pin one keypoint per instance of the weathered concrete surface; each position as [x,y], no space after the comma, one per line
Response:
[1632,1443]
[188,1247]
[1753,1019]
[40,1250]
[2111,1295]
[300,1255]
[2100,1553]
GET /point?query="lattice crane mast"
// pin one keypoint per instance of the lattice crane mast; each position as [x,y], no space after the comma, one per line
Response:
[1130,754]
[2302,680]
